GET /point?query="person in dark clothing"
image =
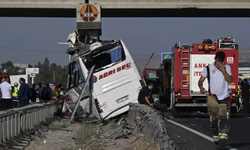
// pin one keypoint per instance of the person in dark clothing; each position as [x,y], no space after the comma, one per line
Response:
[49,91]
[39,90]
[45,93]
[23,93]
[144,96]
[33,93]
[245,95]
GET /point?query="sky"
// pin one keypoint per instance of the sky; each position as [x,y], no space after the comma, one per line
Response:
[29,40]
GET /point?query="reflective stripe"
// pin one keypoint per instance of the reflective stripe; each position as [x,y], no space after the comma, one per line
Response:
[15,93]
[222,136]
[215,138]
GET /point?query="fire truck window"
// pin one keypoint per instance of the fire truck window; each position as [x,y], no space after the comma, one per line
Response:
[152,75]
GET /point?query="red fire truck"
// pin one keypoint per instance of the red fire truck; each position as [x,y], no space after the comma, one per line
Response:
[181,74]
[3,75]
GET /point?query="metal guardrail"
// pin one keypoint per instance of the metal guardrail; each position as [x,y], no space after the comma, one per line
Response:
[144,119]
[14,122]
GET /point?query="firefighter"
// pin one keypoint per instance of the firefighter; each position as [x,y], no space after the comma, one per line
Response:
[56,93]
[219,75]
[239,98]
[15,93]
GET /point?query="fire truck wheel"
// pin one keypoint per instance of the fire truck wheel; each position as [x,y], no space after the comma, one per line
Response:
[175,112]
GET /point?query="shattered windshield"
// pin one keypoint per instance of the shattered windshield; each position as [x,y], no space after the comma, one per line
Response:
[104,59]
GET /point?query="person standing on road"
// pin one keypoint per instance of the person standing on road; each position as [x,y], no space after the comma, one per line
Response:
[23,93]
[50,91]
[219,75]
[15,93]
[144,95]
[39,90]
[6,92]
[33,93]
[0,89]
[245,95]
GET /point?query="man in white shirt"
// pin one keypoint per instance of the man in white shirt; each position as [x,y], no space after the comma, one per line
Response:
[6,90]
[219,76]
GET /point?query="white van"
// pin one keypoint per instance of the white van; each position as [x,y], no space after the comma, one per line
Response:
[116,78]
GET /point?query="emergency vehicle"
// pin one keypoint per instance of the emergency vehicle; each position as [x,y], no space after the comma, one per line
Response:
[3,75]
[181,74]
[116,80]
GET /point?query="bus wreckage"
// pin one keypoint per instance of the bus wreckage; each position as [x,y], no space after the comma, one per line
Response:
[116,80]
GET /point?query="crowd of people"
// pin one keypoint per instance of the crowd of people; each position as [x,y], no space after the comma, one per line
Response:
[12,96]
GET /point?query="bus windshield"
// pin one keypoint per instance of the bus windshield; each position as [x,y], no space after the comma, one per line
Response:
[104,59]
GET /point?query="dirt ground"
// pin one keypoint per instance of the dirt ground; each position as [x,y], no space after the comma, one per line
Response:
[78,136]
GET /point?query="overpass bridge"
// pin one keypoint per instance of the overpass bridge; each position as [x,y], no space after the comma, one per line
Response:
[128,8]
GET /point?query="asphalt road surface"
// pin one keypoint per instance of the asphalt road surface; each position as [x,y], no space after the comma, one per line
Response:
[194,133]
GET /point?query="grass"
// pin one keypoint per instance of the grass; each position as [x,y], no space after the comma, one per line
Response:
[85,133]
[114,126]
[59,127]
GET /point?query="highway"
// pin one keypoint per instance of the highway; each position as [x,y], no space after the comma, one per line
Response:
[194,133]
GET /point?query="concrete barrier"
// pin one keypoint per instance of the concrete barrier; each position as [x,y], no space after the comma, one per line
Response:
[144,119]
[16,121]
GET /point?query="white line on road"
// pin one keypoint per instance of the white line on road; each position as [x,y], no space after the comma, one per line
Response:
[198,133]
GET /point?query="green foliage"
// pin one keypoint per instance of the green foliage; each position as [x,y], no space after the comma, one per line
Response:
[10,68]
[48,73]
[51,73]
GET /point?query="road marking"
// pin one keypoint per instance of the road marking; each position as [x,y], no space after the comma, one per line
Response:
[198,133]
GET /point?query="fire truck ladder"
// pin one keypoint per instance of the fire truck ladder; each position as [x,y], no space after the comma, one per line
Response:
[185,62]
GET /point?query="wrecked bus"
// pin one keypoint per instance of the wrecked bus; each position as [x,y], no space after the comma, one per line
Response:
[116,79]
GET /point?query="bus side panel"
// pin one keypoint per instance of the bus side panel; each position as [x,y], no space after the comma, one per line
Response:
[128,55]
[124,92]
[118,85]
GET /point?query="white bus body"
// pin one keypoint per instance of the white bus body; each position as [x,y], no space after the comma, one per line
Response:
[116,79]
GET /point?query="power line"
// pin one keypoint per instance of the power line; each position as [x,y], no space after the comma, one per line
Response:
[30,50]
[41,51]
[140,55]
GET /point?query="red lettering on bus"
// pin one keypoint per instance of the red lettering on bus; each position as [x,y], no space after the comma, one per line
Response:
[105,74]
[123,67]
[128,65]
[110,72]
[100,77]
[119,69]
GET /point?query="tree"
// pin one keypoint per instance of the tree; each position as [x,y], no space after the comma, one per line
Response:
[48,73]
[51,73]
[11,69]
